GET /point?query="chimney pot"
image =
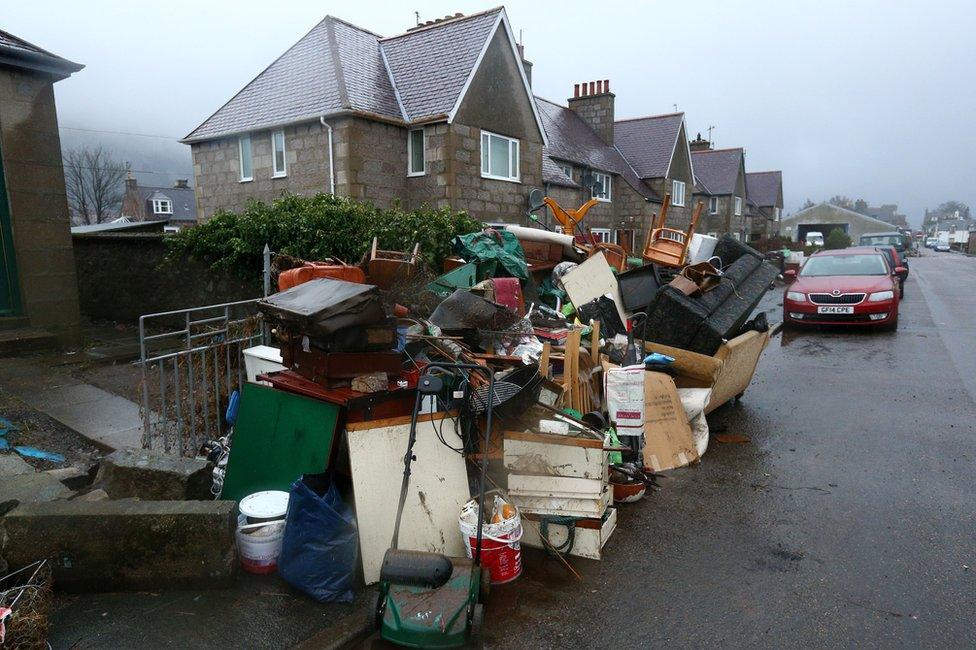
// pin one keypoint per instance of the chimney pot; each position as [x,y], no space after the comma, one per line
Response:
[575,90]
[592,87]
[606,85]
[599,87]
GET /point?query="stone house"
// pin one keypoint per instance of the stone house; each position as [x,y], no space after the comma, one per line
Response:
[38,286]
[441,115]
[720,183]
[176,204]
[628,165]
[764,191]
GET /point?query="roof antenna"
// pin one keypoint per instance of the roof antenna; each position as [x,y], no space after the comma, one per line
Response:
[675,107]
[416,16]
[521,42]
[710,129]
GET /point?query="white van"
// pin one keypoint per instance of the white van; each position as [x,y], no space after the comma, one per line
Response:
[814,238]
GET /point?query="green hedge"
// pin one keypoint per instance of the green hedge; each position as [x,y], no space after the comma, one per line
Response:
[315,228]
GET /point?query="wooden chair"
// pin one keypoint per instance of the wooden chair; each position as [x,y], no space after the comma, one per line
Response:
[385,268]
[569,219]
[616,255]
[669,246]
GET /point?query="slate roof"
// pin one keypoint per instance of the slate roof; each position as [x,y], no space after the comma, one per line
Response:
[553,175]
[16,51]
[648,142]
[432,64]
[413,77]
[184,201]
[716,170]
[763,188]
[572,140]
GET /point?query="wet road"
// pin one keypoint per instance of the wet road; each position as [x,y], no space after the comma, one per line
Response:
[848,520]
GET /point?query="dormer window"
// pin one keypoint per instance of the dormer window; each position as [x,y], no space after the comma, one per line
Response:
[601,190]
[566,169]
[162,206]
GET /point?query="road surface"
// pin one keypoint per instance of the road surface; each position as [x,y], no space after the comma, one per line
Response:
[849,520]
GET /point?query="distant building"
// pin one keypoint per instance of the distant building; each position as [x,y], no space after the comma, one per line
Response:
[720,183]
[825,217]
[176,204]
[887,212]
[764,191]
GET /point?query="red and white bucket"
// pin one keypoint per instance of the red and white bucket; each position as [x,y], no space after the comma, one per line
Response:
[501,552]
[261,530]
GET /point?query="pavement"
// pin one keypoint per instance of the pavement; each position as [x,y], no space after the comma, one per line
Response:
[846,521]
[46,384]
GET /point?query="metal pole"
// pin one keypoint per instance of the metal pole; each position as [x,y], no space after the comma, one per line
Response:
[267,270]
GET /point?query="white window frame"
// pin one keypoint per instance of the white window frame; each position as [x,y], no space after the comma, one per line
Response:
[777,213]
[240,158]
[605,235]
[738,206]
[713,205]
[158,206]
[674,193]
[513,147]
[275,172]
[567,169]
[423,138]
[608,187]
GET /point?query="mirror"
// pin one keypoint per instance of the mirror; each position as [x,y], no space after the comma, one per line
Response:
[536,197]
[789,275]
[901,270]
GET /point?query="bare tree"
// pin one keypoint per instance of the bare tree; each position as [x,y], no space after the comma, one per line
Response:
[94,180]
[841,202]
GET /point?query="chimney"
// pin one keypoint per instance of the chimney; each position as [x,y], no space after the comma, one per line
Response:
[700,144]
[593,102]
[130,181]
[526,64]
[182,184]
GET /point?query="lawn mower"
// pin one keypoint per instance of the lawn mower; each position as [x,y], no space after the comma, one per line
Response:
[429,600]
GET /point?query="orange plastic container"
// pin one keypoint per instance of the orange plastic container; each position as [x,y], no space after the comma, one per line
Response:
[315,270]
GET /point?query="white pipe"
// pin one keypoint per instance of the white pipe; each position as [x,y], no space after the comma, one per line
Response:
[331,159]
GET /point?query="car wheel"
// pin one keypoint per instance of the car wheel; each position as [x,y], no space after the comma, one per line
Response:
[901,292]
[892,326]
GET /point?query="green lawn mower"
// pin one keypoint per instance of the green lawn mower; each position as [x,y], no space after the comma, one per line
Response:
[429,600]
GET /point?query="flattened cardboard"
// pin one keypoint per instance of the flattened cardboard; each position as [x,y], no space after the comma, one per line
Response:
[668,441]
[592,279]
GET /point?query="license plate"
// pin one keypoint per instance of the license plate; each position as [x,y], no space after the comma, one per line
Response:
[836,309]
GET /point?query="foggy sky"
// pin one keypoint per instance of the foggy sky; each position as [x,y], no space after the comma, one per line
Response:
[865,99]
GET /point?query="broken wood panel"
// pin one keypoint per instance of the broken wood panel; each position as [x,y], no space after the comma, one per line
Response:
[533,457]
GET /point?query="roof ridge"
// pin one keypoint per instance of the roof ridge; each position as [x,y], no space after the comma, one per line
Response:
[719,150]
[354,26]
[448,21]
[549,101]
[649,117]
[39,49]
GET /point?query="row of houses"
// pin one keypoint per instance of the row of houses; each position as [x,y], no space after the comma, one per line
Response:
[444,115]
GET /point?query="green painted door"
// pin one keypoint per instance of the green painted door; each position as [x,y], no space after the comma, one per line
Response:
[9,290]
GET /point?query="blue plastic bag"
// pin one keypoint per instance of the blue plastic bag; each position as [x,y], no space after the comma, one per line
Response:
[320,548]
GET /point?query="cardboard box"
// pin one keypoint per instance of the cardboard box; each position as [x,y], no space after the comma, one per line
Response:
[668,441]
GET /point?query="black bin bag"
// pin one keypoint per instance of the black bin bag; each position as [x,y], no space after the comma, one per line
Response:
[320,548]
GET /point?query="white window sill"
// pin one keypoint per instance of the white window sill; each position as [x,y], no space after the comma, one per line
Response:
[677,205]
[415,174]
[282,175]
[603,200]
[245,180]
[501,178]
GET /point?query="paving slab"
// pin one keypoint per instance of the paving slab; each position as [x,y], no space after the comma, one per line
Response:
[11,465]
[32,488]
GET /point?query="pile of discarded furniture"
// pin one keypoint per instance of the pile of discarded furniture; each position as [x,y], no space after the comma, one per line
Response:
[568,371]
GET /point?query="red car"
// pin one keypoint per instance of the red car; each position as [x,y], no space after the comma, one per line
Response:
[846,287]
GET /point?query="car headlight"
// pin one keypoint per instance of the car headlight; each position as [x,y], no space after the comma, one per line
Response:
[879,296]
[796,296]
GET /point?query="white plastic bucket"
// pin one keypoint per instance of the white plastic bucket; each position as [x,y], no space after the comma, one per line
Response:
[501,552]
[259,545]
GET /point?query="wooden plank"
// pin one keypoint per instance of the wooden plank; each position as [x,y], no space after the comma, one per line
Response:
[544,360]
[531,457]
[695,366]
[555,439]
[556,486]
[562,506]
[438,489]
[405,419]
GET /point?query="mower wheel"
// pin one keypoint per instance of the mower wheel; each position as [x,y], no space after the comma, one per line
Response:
[379,610]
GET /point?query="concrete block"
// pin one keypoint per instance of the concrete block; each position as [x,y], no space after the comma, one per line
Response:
[12,465]
[127,545]
[74,478]
[33,487]
[153,477]
[94,495]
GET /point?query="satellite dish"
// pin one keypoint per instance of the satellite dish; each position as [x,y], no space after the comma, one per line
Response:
[536,197]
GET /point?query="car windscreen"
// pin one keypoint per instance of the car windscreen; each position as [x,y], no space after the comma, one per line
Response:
[822,265]
[897,241]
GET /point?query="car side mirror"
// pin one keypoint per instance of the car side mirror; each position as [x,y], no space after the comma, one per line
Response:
[789,275]
[900,270]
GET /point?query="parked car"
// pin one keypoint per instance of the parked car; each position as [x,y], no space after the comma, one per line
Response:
[849,287]
[894,261]
[942,246]
[894,238]
[930,242]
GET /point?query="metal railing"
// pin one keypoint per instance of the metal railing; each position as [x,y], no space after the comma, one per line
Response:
[191,361]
